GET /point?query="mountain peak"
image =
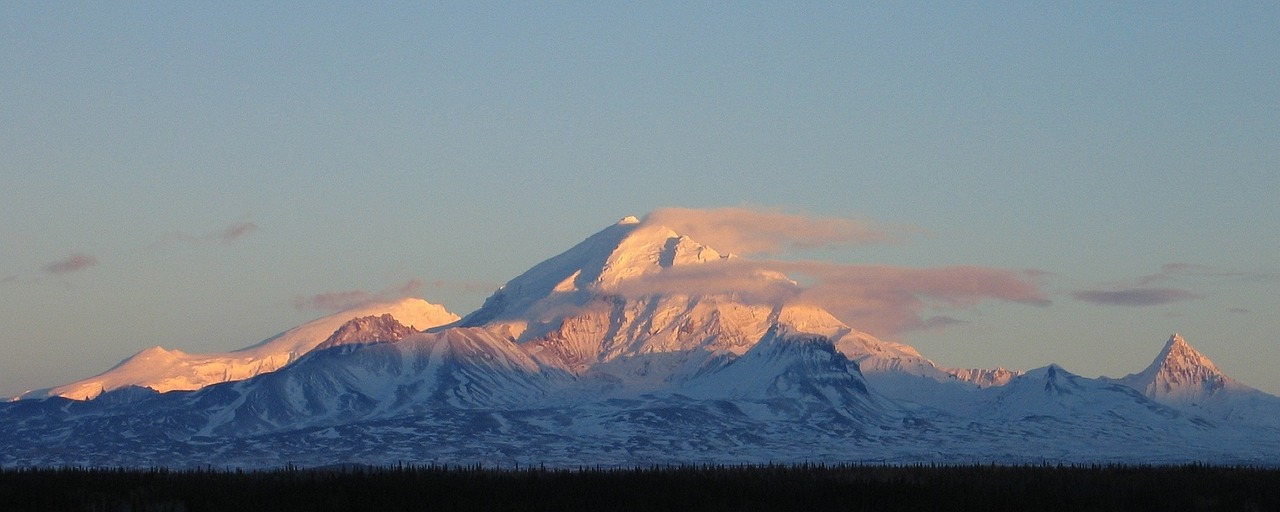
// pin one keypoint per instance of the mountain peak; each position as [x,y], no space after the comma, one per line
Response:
[1179,374]
[629,249]
[1178,356]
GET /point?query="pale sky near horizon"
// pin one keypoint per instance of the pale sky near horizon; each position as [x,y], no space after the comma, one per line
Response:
[202,176]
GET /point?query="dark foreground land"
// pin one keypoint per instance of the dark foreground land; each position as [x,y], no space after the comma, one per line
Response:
[804,487]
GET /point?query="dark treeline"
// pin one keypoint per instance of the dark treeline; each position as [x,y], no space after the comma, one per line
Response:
[769,487]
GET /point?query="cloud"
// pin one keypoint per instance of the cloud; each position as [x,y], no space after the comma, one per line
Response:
[882,299]
[885,299]
[469,287]
[75,262]
[755,282]
[1170,271]
[235,232]
[942,321]
[1193,271]
[1175,282]
[224,236]
[748,231]
[1137,297]
[347,299]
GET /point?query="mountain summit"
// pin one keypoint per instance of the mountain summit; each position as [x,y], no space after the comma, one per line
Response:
[1183,378]
[625,251]
[1180,374]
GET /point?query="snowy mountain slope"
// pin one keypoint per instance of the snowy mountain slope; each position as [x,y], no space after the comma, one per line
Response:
[1183,378]
[167,370]
[793,374]
[457,368]
[1054,393]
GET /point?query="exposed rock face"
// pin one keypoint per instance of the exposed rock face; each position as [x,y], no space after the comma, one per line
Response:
[368,329]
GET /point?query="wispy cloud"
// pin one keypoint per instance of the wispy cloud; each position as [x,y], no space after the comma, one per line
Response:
[75,262]
[759,232]
[1175,282]
[469,287]
[346,299]
[235,232]
[942,321]
[881,299]
[887,299]
[1192,271]
[225,235]
[1136,296]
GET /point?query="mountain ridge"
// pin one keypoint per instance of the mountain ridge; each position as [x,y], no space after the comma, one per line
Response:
[163,369]
[635,347]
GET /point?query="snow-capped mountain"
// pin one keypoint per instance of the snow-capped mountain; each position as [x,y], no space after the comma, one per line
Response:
[163,369]
[1183,378]
[1181,375]
[609,299]
[639,345]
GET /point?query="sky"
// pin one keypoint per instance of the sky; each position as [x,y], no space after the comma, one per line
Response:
[202,176]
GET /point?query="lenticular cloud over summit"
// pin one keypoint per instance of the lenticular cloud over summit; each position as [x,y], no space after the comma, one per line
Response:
[755,232]
[881,299]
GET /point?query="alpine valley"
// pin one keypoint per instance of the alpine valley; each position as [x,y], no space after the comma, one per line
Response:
[600,356]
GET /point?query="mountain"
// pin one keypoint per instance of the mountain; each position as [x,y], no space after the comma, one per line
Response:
[1183,378]
[637,346]
[163,370]
[612,299]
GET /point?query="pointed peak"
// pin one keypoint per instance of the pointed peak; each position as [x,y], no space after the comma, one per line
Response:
[1178,353]
[1179,373]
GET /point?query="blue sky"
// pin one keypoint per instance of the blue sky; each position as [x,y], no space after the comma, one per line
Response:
[195,175]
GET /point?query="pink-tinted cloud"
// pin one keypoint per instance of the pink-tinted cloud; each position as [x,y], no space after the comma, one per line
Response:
[747,231]
[889,300]
[347,299]
[755,282]
[1136,296]
[75,262]
[881,299]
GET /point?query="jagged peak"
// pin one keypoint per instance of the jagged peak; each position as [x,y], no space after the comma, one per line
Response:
[1179,373]
[1178,355]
